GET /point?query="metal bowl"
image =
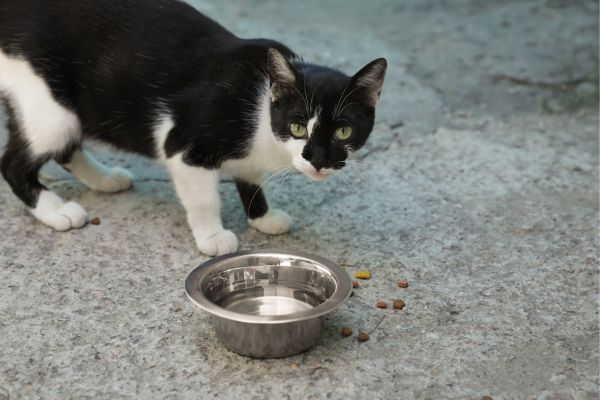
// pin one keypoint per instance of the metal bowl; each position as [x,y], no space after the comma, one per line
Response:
[268,303]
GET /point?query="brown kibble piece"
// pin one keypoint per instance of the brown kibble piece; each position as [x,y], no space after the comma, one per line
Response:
[403,283]
[381,304]
[399,304]
[95,221]
[486,397]
[355,284]
[363,337]
[346,331]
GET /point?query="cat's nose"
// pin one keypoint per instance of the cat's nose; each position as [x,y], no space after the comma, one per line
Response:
[318,159]
[318,165]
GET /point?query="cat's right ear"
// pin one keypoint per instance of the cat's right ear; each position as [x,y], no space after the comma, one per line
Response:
[282,76]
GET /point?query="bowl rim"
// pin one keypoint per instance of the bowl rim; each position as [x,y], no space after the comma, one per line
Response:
[342,292]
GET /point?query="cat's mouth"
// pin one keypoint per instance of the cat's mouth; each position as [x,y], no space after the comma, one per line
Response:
[318,175]
[309,170]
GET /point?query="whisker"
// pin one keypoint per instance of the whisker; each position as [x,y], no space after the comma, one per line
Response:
[357,171]
[357,161]
[263,184]
[340,99]
[282,176]
[304,101]
[292,173]
[282,180]
[346,98]
[306,97]
[343,174]
[283,166]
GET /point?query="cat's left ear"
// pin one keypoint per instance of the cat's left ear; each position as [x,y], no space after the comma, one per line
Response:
[282,75]
[371,77]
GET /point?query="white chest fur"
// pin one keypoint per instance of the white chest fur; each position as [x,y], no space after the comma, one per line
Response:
[265,153]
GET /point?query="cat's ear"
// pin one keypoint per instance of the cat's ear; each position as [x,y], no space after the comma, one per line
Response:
[282,75]
[371,77]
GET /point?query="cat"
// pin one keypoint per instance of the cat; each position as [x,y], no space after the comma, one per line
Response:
[160,79]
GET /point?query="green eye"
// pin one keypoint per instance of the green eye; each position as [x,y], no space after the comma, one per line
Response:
[343,133]
[298,130]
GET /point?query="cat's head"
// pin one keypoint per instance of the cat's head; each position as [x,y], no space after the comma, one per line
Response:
[322,115]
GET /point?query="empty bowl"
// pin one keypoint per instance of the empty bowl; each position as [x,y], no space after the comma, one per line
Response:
[268,303]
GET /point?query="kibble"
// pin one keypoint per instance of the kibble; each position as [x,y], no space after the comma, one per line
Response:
[355,284]
[381,304]
[363,337]
[486,397]
[346,331]
[403,283]
[362,275]
[95,221]
[399,304]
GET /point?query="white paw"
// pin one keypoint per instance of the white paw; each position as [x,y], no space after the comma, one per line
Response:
[116,180]
[274,222]
[54,212]
[224,242]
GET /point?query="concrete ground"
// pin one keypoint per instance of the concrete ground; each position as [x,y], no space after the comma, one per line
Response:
[479,185]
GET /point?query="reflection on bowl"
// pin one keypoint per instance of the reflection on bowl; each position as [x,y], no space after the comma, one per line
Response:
[268,303]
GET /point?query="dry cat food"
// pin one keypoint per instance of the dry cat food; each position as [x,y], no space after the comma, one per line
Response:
[381,304]
[346,331]
[362,275]
[403,283]
[355,284]
[363,337]
[95,221]
[399,304]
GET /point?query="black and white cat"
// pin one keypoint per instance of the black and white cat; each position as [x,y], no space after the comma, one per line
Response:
[157,78]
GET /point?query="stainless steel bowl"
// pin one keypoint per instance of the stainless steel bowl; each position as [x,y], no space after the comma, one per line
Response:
[268,303]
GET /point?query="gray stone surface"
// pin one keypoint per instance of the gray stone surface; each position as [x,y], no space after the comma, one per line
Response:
[480,186]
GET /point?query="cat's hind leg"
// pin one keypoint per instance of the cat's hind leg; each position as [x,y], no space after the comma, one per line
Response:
[96,175]
[39,129]
[20,167]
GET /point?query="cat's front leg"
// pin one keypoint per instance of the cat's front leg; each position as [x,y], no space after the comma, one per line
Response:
[260,217]
[198,190]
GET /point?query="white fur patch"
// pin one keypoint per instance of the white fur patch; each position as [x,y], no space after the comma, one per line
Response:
[311,124]
[97,176]
[54,212]
[266,153]
[48,127]
[164,124]
[275,222]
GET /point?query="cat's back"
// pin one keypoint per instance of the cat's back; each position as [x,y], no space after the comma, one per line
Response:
[54,25]
[109,62]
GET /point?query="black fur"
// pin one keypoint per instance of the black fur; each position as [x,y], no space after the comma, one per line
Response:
[17,168]
[117,63]
[113,61]
[253,199]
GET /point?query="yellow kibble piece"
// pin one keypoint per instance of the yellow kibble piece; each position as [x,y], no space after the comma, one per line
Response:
[362,275]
